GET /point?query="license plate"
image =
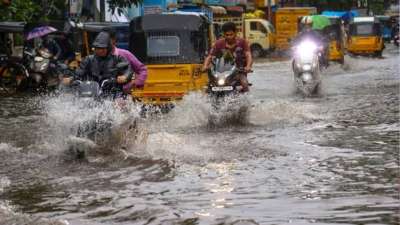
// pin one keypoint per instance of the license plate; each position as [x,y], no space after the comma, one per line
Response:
[224,88]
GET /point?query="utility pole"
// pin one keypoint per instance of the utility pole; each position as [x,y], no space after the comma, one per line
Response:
[102,10]
[269,11]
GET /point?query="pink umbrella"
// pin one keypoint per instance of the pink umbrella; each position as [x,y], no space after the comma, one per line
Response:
[40,32]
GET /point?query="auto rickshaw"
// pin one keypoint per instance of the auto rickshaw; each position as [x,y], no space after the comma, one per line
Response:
[386,27]
[365,36]
[12,70]
[173,51]
[335,33]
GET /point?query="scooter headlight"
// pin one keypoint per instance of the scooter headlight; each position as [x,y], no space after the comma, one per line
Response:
[221,81]
[306,67]
[306,49]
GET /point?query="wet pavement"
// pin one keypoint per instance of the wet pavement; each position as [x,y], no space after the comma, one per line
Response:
[332,159]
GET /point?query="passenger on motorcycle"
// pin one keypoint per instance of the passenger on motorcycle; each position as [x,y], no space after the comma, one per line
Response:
[53,47]
[235,49]
[98,66]
[308,33]
[138,67]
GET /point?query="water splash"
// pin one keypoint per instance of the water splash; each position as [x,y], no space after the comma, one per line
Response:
[9,217]
[105,125]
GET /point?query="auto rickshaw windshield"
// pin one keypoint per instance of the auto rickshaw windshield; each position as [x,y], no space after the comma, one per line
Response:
[365,29]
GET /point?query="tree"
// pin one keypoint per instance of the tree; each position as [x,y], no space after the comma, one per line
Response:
[32,10]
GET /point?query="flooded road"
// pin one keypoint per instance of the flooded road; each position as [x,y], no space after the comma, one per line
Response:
[327,160]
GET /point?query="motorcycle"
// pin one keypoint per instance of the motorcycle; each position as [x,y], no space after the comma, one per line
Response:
[222,79]
[43,70]
[224,90]
[92,95]
[306,67]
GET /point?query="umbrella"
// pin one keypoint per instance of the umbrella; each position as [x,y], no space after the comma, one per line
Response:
[40,32]
[320,22]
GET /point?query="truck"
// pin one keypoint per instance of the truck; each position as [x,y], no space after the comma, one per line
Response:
[286,23]
[260,33]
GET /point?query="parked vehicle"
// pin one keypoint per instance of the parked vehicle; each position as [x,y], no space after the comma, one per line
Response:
[44,71]
[173,51]
[260,33]
[306,67]
[286,24]
[12,69]
[365,36]
[386,27]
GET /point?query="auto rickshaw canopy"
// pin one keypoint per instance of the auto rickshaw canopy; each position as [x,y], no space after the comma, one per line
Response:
[178,39]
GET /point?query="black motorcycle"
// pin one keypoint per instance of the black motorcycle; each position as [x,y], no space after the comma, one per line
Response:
[93,94]
[225,91]
[223,80]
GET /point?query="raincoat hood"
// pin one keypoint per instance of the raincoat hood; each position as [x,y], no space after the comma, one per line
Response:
[102,40]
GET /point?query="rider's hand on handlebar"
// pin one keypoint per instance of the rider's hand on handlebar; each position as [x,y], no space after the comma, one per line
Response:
[247,69]
[122,79]
[67,80]
[205,68]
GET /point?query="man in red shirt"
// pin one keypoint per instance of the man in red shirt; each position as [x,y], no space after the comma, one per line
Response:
[231,46]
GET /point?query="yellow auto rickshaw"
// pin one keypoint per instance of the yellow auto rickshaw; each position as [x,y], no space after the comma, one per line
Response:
[173,51]
[365,36]
[335,33]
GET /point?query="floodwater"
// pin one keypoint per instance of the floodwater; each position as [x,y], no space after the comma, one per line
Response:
[332,159]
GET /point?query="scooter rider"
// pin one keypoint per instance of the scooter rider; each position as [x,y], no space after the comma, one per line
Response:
[97,67]
[308,33]
[233,48]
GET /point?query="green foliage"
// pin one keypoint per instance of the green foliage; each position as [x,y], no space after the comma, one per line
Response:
[19,10]
[32,10]
[118,4]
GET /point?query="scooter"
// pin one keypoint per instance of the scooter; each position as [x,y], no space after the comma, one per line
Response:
[43,70]
[306,67]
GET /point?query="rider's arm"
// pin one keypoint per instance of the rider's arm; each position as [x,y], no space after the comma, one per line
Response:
[58,49]
[140,70]
[249,58]
[207,62]
[83,68]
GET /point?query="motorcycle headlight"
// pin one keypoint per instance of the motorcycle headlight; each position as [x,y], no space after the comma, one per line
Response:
[44,66]
[221,82]
[306,67]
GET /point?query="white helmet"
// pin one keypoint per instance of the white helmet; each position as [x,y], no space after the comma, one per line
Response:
[306,20]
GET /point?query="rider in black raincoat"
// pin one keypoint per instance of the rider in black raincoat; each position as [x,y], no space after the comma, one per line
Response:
[98,66]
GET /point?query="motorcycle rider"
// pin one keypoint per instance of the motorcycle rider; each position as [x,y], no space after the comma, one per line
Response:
[51,45]
[97,67]
[308,33]
[232,48]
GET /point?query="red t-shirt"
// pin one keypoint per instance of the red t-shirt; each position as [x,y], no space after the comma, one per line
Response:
[238,50]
